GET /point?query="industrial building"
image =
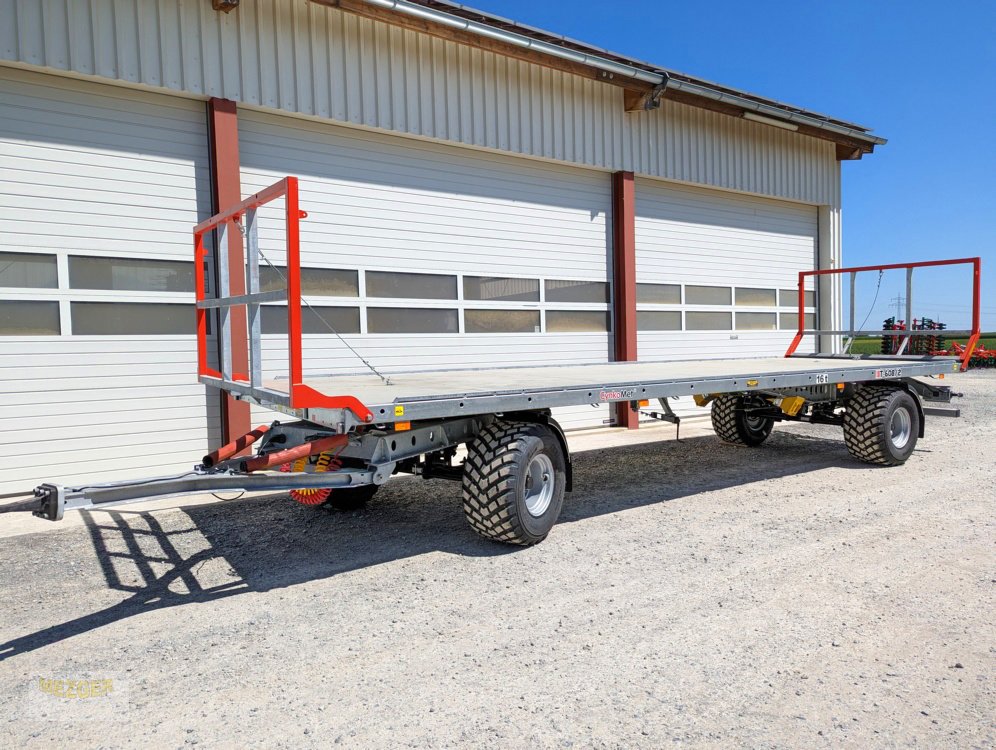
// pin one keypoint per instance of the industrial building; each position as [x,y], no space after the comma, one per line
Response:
[480,193]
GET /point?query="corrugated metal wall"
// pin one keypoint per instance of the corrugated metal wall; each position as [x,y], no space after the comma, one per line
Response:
[298,57]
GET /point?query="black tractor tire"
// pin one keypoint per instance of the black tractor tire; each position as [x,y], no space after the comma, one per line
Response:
[734,425]
[513,482]
[351,498]
[881,425]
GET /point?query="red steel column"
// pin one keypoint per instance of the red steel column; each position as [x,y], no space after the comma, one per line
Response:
[624,280]
[226,190]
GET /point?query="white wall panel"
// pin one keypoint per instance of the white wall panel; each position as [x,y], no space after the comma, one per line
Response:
[68,416]
[99,170]
[125,165]
[831,256]
[697,236]
[298,57]
[376,201]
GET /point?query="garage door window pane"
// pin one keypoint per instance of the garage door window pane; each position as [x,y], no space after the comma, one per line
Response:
[790,321]
[411,285]
[28,270]
[756,297]
[501,321]
[342,319]
[132,275]
[272,279]
[576,321]
[411,320]
[647,320]
[708,321]
[708,295]
[500,289]
[659,294]
[790,298]
[756,321]
[315,282]
[131,319]
[576,291]
[29,318]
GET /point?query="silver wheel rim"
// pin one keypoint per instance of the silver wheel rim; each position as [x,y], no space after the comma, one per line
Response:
[900,428]
[754,424]
[539,485]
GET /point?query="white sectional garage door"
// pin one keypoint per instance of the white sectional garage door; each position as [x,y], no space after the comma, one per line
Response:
[100,187]
[717,272]
[428,256]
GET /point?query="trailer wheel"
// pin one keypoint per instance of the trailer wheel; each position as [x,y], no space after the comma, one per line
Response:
[733,424]
[351,498]
[881,425]
[513,482]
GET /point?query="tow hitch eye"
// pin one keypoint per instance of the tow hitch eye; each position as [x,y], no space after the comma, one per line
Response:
[51,502]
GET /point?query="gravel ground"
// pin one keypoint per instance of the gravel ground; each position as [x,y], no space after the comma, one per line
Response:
[693,593]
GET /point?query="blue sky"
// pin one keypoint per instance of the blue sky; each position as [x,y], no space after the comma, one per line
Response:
[922,74]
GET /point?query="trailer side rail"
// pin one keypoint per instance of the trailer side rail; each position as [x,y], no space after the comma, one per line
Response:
[973,334]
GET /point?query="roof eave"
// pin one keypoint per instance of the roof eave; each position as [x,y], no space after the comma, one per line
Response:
[645,83]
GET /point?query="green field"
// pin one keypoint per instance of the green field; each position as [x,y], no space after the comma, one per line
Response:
[873,344]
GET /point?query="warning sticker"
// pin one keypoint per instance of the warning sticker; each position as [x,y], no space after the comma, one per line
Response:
[399,411]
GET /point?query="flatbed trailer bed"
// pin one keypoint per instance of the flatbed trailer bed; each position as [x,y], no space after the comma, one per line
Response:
[438,394]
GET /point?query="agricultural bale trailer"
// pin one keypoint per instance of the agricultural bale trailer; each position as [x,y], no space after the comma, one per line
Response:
[346,435]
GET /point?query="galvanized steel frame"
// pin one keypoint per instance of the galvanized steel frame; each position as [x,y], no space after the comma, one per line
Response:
[463,404]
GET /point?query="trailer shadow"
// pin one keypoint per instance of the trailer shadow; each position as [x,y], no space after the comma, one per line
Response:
[210,552]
